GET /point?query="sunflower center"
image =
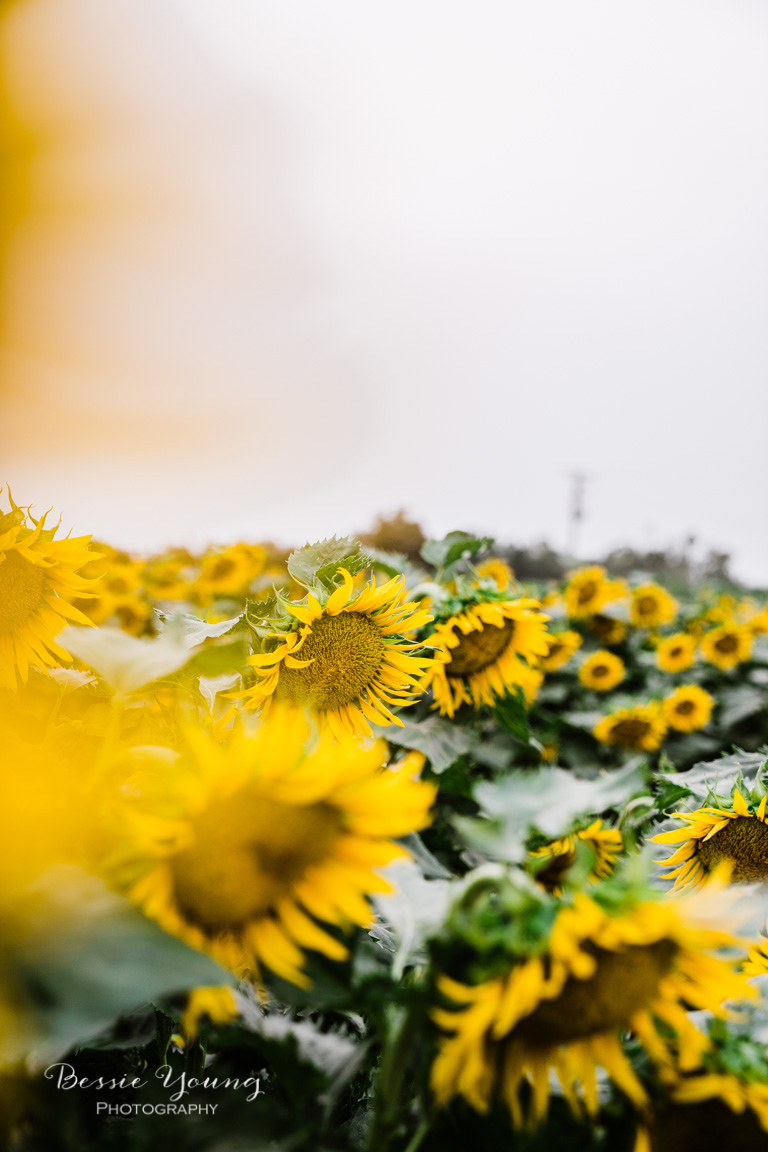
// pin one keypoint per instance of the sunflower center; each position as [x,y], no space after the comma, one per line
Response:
[646,605]
[685,707]
[222,568]
[587,592]
[623,983]
[21,590]
[675,653]
[599,671]
[707,1126]
[630,732]
[248,852]
[479,649]
[552,875]
[347,651]
[727,644]
[744,843]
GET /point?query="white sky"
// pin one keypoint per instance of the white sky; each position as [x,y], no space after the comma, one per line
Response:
[502,241]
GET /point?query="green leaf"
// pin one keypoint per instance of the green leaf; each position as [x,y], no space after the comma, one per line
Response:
[318,563]
[584,720]
[125,662]
[195,631]
[715,777]
[446,553]
[548,800]
[331,1052]
[439,740]
[737,704]
[512,716]
[430,866]
[397,564]
[220,658]
[83,957]
[412,912]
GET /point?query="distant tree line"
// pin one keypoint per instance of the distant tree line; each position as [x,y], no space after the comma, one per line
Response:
[541,562]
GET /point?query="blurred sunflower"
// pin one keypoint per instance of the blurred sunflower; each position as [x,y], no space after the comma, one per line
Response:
[588,590]
[651,606]
[608,630]
[688,708]
[601,671]
[562,646]
[604,970]
[170,576]
[758,624]
[217,1002]
[497,570]
[642,727]
[735,831]
[230,570]
[713,1110]
[727,646]
[529,681]
[557,857]
[480,649]
[347,659]
[676,653]
[268,838]
[38,579]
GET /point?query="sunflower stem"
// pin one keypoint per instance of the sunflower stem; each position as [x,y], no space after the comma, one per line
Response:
[388,1100]
[163,1033]
[416,1140]
[194,1057]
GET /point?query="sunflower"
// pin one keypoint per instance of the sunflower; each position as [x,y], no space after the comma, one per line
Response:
[217,1002]
[479,652]
[230,571]
[688,708]
[601,671]
[651,605]
[267,838]
[497,570]
[736,834]
[758,624]
[642,727]
[347,659]
[608,629]
[169,577]
[562,646]
[558,856]
[727,646]
[713,1110]
[676,653]
[38,579]
[588,590]
[529,681]
[604,969]
[724,1103]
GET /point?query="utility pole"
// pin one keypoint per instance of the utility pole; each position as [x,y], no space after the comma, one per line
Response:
[576,511]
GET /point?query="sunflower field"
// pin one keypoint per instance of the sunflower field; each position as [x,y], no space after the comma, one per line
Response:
[348,850]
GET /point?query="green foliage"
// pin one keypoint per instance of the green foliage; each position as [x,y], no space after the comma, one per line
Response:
[316,565]
[84,957]
[439,740]
[549,801]
[446,555]
[126,663]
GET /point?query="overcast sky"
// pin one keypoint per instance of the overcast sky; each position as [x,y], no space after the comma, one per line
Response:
[428,254]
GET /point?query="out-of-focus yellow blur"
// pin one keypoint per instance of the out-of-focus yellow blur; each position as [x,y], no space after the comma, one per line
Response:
[147,254]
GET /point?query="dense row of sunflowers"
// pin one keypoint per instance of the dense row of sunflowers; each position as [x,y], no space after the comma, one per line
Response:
[433,857]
